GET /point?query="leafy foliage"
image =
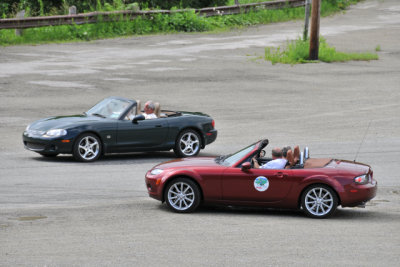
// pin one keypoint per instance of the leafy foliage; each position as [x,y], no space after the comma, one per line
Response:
[8,8]
[181,3]
[177,22]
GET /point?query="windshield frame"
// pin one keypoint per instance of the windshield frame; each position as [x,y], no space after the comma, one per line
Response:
[242,154]
[114,114]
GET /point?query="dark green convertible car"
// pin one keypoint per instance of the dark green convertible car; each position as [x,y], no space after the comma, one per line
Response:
[117,125]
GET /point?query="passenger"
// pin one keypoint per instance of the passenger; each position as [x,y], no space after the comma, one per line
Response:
[277,162]
[149,108]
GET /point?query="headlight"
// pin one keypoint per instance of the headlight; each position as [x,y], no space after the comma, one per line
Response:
[362,179]
[55,133]
[156,171]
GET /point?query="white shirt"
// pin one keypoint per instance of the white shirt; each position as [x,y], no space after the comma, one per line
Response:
[275,164]
[150,116]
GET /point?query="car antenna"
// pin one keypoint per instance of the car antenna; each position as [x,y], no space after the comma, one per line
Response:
[362,142]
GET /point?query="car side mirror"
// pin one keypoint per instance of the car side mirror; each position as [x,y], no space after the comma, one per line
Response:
[246,166]
[262,153]
[138,118]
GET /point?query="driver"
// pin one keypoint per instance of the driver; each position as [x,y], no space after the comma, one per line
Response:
[149,108]
[277,162]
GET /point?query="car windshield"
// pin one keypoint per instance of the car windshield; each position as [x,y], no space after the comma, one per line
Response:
[231,159]
[109,108]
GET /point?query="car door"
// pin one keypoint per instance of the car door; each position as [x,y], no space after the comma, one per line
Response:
[258,185]
[143,134]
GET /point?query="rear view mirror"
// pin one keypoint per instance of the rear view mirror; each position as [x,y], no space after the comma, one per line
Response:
[138,118]
[246,166]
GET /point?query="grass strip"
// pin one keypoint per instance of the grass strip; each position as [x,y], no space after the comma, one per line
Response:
[297,51]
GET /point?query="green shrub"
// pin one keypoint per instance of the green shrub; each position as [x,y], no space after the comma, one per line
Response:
[8,8]
[163,4]
[37,7]
[176,22]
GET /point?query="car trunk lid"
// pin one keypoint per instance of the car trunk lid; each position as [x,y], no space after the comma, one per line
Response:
[352,166]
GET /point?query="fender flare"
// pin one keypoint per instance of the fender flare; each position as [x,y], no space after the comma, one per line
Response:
[320,179]
[186,173]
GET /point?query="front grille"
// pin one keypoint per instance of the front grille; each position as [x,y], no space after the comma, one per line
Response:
[34,146]
[34,133]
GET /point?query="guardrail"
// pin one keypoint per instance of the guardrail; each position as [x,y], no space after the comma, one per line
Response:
[93,17]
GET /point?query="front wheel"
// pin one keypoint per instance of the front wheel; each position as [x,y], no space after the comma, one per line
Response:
[182,195]
[87,148]
[319,201]
[187,144]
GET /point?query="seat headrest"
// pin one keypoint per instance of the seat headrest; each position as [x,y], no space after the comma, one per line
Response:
[296,154]
[138,107]
[157,109]
[290,158]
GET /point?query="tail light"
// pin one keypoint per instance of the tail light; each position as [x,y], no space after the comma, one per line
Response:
[213,123]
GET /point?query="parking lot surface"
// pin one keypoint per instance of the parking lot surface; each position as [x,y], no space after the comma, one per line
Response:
[58,212]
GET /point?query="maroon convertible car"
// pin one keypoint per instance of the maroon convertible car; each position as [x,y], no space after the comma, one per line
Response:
[315,185]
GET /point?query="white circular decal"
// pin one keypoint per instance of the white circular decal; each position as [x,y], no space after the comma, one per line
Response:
[261,183]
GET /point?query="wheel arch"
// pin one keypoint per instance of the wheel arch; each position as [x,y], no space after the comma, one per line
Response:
[197,130]
[174,177]
[317,183]
[90,132]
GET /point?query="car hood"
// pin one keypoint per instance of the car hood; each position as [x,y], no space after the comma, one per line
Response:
[189,163]
[61,122]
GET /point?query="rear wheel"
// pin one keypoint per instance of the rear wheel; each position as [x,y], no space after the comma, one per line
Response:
[182,195]
[187,144]
[87,148]
[319,201]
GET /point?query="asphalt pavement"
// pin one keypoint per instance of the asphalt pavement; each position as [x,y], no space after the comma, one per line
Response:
[58,212]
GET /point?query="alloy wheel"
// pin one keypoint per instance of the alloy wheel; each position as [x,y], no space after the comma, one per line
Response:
[181,196]
[189,144]
[88,148]
[319,201]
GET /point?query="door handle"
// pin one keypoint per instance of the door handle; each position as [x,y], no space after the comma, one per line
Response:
[281,175]
[158,126]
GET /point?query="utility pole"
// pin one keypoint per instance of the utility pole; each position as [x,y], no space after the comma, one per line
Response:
[314,34]
[307,19]
[20,15]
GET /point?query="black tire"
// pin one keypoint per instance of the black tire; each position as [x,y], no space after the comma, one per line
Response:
[182,195]
[319,201]
[49,155]
[187,144]
[87,148]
